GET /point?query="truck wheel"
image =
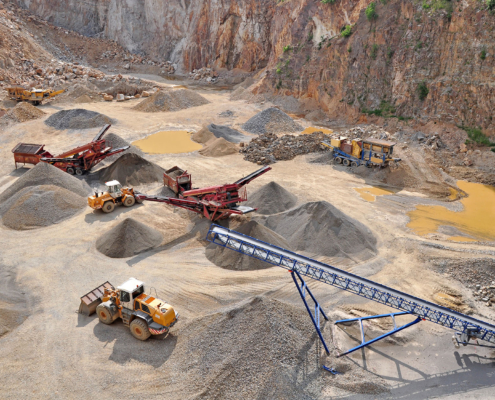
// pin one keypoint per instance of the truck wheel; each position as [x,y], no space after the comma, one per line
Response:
[139,329]
[129,201]
[354,164]
[79,172]
[108,207]
[338,160]
[347,162]
[104,314]
[70,170]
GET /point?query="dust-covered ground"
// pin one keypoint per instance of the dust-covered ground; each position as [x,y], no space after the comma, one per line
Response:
[242,333]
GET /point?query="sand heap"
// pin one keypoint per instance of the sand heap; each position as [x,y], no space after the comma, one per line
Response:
[229,134]
[271,120]
[23,112]
[171,100]
[84,99]
[131,170]
[272,199]
[13,302]
[321,229]
[77,118]
[127,239]
[77,92]
[203,136]
[230,259]
[218,147]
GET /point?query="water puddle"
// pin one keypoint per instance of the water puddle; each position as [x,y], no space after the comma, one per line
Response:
[476,220]
[168,142]
[371,193]
[313,129]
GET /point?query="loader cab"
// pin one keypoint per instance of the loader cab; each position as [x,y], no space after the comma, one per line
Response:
[114,188]
[129,291]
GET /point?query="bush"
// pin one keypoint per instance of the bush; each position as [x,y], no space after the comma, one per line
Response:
[483,53]
[347,31]
[490,4]
[371,12]
[374,51]
[423,91]
[287,48]
[328,1]
[475,135]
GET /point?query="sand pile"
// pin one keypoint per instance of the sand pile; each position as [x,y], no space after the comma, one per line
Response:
[39,206]
[218,147]
[171,100]
[84,99]
[203,135]
[127,239]
[271,120]
[272,199]
[131,170]
[13,302]
[23,112]
[321,229]
[77,118]
[230,259]
[232,135]
[75,92]
[46,174]
[115,141]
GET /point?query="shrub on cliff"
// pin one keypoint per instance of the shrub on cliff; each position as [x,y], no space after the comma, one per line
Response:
[423,91]
[490,4]
[347,31]
[371,12]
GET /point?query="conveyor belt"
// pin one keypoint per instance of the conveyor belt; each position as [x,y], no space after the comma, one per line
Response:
[352,283]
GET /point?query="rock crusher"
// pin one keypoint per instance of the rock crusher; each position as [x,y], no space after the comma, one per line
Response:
[144,314]
[214,202]
[77,161]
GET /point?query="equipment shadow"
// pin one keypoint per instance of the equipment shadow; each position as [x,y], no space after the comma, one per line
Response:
[155,351]
[100,216]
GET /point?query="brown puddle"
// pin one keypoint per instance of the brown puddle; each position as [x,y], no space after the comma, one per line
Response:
[313,129]
[476,220]
[370,193]
[168,142]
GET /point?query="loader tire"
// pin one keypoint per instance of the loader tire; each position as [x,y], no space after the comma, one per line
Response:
[104,314]
[139,329]
[129,201]
[108,207]
[70,170]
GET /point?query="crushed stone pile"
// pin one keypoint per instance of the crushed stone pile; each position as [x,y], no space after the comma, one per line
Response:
[74,93]
[218,148]
[23,112]
[232,135]
[84,99]
[271,120]
[115,141]
[127,89]
[272,199]
[46,174]
[203,136]
[321,229]
[131,170]
[40,206]
[269,148]
[77,118]
[264,349]
[233,260]
[127,239]
[171,100]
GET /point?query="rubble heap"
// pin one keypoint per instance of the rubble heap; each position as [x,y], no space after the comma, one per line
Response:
[269,148]
[206,74]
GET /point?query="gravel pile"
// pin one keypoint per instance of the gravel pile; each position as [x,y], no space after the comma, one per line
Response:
[46,174]
[218,148]
[23,112]
[127,239]
[272,199]
[171,100]
[77,118]
[203,135]
[127,89]
[75,92]
[230,259]
[271,120]
[131,170]
[232,135]
[269,148]
[115,141]
[39,206]
[321,229]
[84,99]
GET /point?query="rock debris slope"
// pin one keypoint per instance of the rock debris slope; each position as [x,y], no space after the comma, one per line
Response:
[271,199]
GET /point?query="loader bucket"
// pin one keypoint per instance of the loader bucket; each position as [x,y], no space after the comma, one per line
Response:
[90,300]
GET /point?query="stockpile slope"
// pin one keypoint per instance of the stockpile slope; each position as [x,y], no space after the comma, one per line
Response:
[171,100]
[271,120]
[77,118]
[271,199]
[131,170]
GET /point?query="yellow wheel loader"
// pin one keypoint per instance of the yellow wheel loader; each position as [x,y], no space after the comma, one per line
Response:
[115,195]
[144,314]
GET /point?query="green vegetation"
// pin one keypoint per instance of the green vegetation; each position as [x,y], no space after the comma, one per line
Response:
[374,51]
[328,1]
[287,48]
[483,53]
[423,91]
[490,4]
[349,49]
[371,12]
[385,110]
[310,36]
[476,136]
[279,84]
[347,31]
[419,46]
[390,53]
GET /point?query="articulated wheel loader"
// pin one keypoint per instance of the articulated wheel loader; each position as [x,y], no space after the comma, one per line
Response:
[144,314]
[116,194]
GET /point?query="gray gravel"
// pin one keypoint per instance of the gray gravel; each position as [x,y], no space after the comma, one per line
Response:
[232,135]
[271,120]
[272,199]
[115,141]
[131,170]
[77,118]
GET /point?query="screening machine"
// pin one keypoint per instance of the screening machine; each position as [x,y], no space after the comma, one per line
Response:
[467,328]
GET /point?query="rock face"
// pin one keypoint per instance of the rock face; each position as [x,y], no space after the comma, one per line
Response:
[421,60]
